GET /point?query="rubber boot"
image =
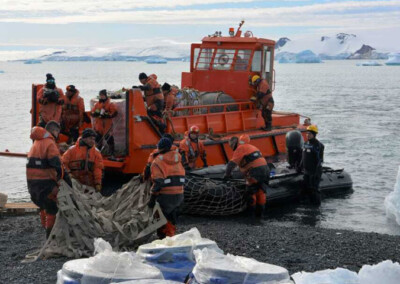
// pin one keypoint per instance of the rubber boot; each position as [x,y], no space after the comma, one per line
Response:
[161,232]
[259,211]
[50,221]
[268,126]
[43,218]
[112,151]
[315,198]
[48,232]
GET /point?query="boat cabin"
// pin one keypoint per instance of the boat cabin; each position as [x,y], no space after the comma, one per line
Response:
[227,63]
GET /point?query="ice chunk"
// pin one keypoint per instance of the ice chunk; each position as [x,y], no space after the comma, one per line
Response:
[384,272]
[394,59]
[307,56]
[392,201]
[328,276]
[214,266]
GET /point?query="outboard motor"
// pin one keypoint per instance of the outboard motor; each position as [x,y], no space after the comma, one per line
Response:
[294,146]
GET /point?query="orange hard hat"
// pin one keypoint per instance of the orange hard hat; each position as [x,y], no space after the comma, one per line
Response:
[244,139]
[194,129]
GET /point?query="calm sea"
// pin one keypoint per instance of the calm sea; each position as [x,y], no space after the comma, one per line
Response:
[356,109]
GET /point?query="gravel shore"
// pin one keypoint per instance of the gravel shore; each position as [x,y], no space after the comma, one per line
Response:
[296,248]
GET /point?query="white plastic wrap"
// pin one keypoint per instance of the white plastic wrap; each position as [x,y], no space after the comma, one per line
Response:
[212,266]
[385,272]
[174,256]
[107,266]
[392,201]
[185,242]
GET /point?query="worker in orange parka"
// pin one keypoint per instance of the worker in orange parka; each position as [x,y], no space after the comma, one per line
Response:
[169,93]
[103,112]
[255,169]
[191,148]
[44,171]
[168,176]
[146,171]
[50,99]
[265,99]
[73,111]
[84,162]
[154,99]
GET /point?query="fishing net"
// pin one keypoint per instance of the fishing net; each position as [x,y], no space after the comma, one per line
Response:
[123,219]
[213,197]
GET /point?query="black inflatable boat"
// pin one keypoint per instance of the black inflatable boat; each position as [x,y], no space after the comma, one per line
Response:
[207,194]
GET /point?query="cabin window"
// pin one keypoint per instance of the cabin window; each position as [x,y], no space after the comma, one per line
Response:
[267,61]
[204,58]
[196,52]
[223,59]
[256,63]
[242,60]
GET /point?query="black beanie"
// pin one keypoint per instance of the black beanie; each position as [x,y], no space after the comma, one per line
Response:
[49,76]
[103,92]
[166,87]
[142,76]
[71,88]
[88,132]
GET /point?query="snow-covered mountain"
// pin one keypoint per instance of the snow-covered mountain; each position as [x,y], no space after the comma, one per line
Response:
[339,46]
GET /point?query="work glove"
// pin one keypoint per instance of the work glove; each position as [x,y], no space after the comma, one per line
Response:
[135,87]
[60,102]
[98,187]
[152,201]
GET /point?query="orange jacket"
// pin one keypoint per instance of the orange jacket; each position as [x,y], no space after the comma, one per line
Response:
[146,171]
[264,93]
[247,156]
[72,111]
[44,160]
[50,110]
[152,90]
[167,173]
[192,151]
[103,122]
[170,99]
[83,164]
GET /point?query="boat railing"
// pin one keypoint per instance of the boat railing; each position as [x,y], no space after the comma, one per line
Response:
[215,108]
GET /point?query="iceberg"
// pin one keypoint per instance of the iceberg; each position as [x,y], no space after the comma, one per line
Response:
[32,61]
[307,56]
[369,63]
[156,61]
[392,201]
[394,59]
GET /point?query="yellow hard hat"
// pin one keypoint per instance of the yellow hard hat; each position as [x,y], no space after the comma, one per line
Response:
[254,78]
[313,128]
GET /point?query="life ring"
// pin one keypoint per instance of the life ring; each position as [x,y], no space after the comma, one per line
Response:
[223,59]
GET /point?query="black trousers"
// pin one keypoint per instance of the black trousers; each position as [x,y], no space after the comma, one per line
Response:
[39,191]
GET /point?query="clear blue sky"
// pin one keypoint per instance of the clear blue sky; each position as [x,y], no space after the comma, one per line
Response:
[28,24]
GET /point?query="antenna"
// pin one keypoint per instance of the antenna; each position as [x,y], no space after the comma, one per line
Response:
[239,32]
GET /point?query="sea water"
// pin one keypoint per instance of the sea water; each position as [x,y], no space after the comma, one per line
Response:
[356,110]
